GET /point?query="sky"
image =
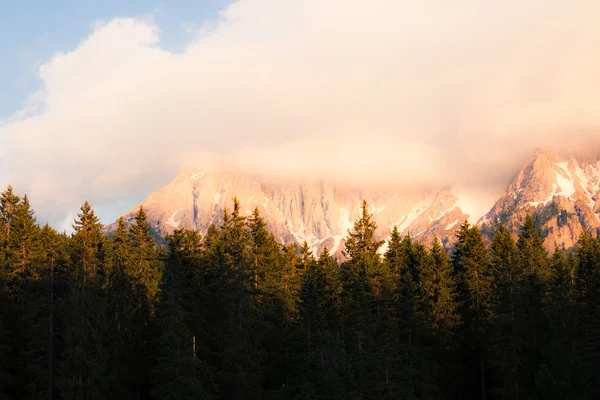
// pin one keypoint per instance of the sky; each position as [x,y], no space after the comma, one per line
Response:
[105,101]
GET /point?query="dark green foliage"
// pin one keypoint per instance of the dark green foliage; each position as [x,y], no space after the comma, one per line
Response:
[83,367]
[476,296]
[180,370]
[508,349]
[535,292]
[234,314]
[438,288]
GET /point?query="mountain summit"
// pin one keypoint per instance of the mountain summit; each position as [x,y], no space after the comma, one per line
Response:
[561,191]
[317,212]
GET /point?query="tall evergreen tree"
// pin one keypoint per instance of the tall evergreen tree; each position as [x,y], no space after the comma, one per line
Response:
[561,377]
[438,290]
[123,294]
[83,365]
[535,291]
[358,298]
[22,254]
[180,369]
[238,345]
[475,293]
[415,367]
[40,322]
[508,348]
[145,265]
[8,209]
[587,293]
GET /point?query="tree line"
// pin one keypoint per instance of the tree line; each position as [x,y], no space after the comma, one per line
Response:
[234,314]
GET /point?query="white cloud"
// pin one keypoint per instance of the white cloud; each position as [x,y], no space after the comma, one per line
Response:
[406,91]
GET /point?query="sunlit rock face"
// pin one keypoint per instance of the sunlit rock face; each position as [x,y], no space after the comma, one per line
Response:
[562,191]
[320,213]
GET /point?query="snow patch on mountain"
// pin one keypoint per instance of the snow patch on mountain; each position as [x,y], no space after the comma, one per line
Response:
[171,221]
[409,218]
[344,224]
[564,180]
[452,225]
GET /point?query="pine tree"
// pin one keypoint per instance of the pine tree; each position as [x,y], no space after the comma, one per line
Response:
[180,369]
[416,368]
[8,205]
[23,241]
[561,372]
[475,293]
[438,288]
[238,343]
[143,271]
[535,291]
[123,294]
[40,322]
[276,307]
[508,348]
[7,359]
[145,265]
[358,298]
[22,252]
[83,369]
[587,293]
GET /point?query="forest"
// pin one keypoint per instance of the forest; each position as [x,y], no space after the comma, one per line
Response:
[233,314]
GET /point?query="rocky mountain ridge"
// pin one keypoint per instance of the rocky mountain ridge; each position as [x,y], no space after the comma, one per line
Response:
[562,192]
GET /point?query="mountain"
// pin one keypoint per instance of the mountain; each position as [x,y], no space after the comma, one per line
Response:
[316,211]
[561,191]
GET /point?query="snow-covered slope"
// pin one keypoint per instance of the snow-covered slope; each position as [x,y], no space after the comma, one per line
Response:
[317,212]
[562,191]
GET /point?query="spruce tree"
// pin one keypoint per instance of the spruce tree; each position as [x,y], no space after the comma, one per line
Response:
[323,367]
[40,322]
[8,205]
[535,291]
[145,265]
[358,298]
[510,352]
[416,366]
[438,290]
[123,294]
[562,377]
[475,293]
[22,256]
[587,293]
[83,372]
[238,343]
[180,369]
[144,269]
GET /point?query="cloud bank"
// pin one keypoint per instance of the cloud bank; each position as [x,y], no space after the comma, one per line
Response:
[407,92]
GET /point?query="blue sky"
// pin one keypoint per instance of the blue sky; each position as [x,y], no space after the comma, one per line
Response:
[32,31]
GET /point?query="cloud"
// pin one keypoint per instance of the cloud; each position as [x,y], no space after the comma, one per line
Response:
[423,92]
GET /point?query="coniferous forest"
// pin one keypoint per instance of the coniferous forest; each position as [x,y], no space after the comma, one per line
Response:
[234,314]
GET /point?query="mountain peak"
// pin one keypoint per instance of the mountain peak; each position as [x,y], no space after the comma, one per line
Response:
[561,188]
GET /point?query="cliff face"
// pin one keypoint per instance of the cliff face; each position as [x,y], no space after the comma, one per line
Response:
[319,212]
[561,191]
